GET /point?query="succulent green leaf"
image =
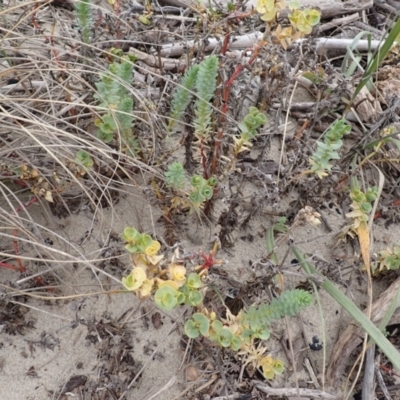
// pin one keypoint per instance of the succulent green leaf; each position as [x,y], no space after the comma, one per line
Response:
[206,192]
[194,298]
[198,324]
[193,281]
[83,158]
[236,343]
[224,337]
[197,181]
[166,298]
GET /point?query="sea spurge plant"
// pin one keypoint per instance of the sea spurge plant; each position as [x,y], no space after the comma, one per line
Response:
[362,207]
[328,149]
[169,285]
[202,79]
[83,13]
[271,367]
[201,189]
[388,259]
[361,204]
[175,175]
[166,298]
[173,286]
[182,96]
[240,333]
[248,129]
[301,20]
[206,83]
[269,8]
[304,20]
[289,303]
[113,94]
[197,325]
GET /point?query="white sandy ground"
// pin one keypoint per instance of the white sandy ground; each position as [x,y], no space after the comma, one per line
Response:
[70,353]
[159,350]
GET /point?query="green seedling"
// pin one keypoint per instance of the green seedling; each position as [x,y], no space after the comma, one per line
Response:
[388,259]
[197,325]
[182,96]
[138,242]
[113,95]
[248,129]
[83,13]
[201,189]
[328,149]
[84,159]
[166,298]
[175,176]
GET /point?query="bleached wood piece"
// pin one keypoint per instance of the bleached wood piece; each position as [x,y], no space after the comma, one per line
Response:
[248,41]
[328,8]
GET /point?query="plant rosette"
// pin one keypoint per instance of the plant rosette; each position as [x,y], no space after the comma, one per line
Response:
[135,279]
[177,273]
[271,367]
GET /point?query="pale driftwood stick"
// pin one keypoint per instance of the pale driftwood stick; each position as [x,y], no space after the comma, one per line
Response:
[19,87]
[314,394]
[328,8]
[368,388]
[154,61]
[249,40]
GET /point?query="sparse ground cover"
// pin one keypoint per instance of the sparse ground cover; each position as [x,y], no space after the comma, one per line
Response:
[198,200]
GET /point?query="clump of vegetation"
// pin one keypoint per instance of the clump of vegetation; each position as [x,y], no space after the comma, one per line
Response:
[203,79]
[388,259]
[201,189]
[328,149]
[302,20]
[83,12]
[248,129]
[113,95]
[174,285]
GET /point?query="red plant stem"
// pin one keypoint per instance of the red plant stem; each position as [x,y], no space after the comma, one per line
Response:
[226,42]
[16,251]
[27,204]
[388,370]
[225,97]
[9,266]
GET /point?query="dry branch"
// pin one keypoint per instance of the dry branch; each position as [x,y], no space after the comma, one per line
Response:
[314,394]
[328,8]
[249,40]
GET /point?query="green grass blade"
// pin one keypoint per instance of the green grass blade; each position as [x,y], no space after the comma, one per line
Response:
[375,334]
[380,54]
